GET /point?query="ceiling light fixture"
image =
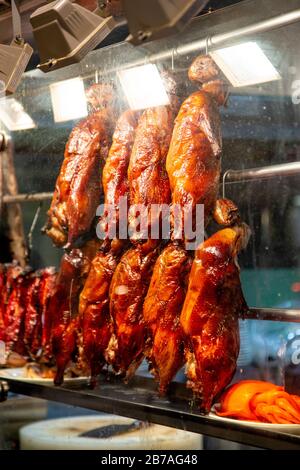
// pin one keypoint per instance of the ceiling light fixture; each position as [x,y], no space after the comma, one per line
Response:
[13,115]
[15,57]
[245,64]
[136,83]
[65,32]
[68,100]
[153,19]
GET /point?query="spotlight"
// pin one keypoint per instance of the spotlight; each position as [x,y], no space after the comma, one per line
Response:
[68,100]
[14,116]
[13,58]
[65,32]
[245,64]
[136,83]
[153,19]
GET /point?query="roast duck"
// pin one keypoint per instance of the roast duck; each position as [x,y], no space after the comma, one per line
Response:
[116,302]
[25,320]
[78,187]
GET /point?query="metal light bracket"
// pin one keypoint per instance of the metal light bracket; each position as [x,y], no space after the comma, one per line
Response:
[15,57]
[153,19]
[65,32]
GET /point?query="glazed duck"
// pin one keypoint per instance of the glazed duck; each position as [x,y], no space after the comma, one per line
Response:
[47,289]
[194,158]
[94,299]
[24,301]
[161,313]
[128,289]
[63,310]
[147,175]
[209,317]
[14,309]
[114,178]
[94,308]
[32,316]
[78,187]
[193,165]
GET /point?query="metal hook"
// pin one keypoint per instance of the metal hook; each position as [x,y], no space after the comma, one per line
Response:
[174,52]
[208,44]
[33,225]
[224,183]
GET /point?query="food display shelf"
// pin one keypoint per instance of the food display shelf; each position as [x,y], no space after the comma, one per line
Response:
[139,400]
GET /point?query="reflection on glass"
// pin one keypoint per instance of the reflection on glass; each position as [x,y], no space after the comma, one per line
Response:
[68,100]
[143,87]
[13,115]
[245,64]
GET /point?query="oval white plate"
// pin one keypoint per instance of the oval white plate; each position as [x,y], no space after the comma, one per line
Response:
[287,428]
[18,373]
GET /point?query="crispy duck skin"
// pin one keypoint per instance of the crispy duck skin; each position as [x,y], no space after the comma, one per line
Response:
[78,186]
[94,310]
[16,286]
[203,69]
[161,312]
[128,289]
[73,271]
[46,292]
[194,157]
[148,179]
[114,178]
[210,313]
[32,316]
[205,72]
[37,332]
[2,300]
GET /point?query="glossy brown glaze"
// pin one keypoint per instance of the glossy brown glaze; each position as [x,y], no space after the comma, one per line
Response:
[148,178]
[2,300]
[194,157]
[161,312]
[14,307]
[78,186]
[32,315]
[73,272]
[128,289]
[94,310]
[47,289]
[203,69]
[226,213]
[210,313]
[114,178]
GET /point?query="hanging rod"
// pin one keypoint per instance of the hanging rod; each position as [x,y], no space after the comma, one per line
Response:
[27,197]
[274,314]
[217,39]
[255,28]
[283,169]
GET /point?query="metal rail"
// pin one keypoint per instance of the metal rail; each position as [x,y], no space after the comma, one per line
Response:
[29,197]
[283,169]
[139,400]
[230,176]
[274,314]
[253,29]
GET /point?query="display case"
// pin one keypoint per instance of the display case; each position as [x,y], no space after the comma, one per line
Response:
[260,172]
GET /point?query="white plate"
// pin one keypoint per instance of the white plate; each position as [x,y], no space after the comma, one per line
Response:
[287,428]
[19,373]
